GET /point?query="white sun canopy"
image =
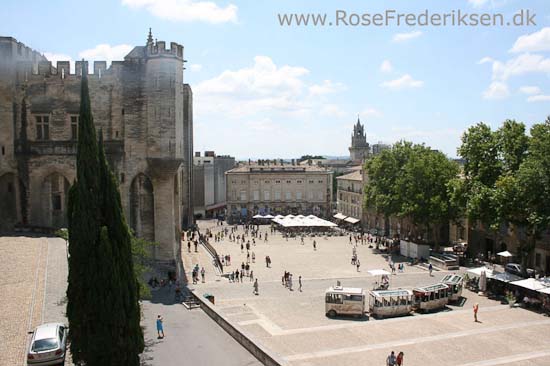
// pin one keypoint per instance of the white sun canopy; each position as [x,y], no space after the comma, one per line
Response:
[378,272]
[530,284]
[302,221]
[339,216]
[351,220]
[505,254]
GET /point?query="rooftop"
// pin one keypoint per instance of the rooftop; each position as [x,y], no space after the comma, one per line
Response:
[355,175]
[285,168]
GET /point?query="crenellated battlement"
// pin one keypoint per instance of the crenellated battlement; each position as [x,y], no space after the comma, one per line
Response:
[26,70]
[159,49]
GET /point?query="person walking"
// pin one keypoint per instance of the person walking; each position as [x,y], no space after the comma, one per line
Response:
[188,247]
[430,268]
[251,276]
[202,274]
[290,281]
[300,282]
[160,327]
[476,308]
[255,292]
[358,264]
[314,245]
[391,360]
[399,360]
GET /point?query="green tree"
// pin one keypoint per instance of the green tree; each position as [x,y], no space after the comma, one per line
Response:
[423,189]
[84,224]
[102,308]
[524,196]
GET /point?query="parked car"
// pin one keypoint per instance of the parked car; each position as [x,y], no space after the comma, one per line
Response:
[48,345]
[516,269]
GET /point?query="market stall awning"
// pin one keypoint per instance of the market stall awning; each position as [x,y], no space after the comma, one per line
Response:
[545,290]
[258,217]
[530,284]
[505,254]
[351,220]
[378,272]
[477,271]
[339,216]
[269,217]
[505,277]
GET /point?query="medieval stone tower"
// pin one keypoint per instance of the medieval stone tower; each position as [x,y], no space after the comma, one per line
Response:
[144,111]
[359,149]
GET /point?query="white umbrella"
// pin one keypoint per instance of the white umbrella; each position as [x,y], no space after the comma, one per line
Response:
[505,254]
[483,282]
[258,217]
[269,217]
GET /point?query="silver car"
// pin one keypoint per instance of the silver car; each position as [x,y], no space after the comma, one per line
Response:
[48,345]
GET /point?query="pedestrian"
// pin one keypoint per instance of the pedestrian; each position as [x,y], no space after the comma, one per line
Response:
[300,282]
[196,245]
[399,360]
[189,247]
[430,268]
[202,274]
[358,264]
[242,247]
[242,275]
[314,245]
[160,328]
[256,287]
[290,281]
[476,308]
[253,257]
[267,261]
[390,361]
[251,276]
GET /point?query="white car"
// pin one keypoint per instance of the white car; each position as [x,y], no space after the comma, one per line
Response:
[48,345]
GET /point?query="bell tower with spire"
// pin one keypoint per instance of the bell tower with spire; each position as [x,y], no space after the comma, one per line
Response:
[359,149]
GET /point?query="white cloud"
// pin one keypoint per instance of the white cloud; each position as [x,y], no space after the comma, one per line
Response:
[485,60]
[478,3]
[497,90]
[187,10]
[534,42]
[370,113]
[404,82]
[327,87]
[539,98]
[195,67]
[523,64]
[530,90]
[265,88]
[386,66]
[106,52]
[332,110]
[402,37]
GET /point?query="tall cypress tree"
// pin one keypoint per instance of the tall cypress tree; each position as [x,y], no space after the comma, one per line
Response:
[84,224]
[103,308]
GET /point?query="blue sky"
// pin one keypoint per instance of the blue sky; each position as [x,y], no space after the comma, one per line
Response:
[262,90]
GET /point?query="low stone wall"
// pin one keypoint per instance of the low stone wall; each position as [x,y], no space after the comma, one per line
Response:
[257,349]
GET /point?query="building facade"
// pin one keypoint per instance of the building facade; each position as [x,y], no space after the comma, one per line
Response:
[350,194]
[359,149]
[278,189]
[210,183]
[143,110]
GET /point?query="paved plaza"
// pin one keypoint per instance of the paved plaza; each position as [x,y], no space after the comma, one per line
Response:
[33,283]
[293,325]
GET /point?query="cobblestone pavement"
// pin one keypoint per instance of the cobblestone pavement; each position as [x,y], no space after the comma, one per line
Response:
[294,326]
[22,267]
[33,281]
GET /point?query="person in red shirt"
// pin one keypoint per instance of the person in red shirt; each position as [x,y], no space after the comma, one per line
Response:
[476,308]
[399,360]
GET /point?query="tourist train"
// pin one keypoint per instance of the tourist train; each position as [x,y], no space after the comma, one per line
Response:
[390,303]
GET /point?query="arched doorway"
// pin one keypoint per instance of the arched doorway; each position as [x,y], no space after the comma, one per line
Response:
[54,195]
[142,207]
[8,203]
